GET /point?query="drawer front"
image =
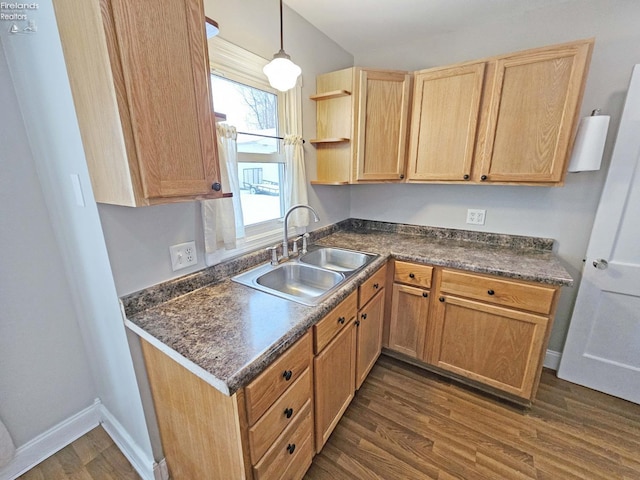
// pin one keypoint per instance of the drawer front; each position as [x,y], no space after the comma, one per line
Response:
[413,274]
[264,390]
[509,293]
[289,449]
[327,328]
[281,414]
[372,286]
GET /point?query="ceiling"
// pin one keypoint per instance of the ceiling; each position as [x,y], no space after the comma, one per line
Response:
[360,26]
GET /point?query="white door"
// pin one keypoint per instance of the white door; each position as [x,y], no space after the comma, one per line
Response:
[603,345]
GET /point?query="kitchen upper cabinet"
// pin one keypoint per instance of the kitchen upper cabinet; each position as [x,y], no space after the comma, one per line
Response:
[446,110]
[490,330]
[362,125]
[532,108]
[509,119]
[139,76]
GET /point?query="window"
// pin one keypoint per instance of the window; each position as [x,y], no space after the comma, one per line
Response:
[254,113]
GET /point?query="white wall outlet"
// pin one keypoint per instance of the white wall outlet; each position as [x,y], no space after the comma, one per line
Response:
[183,255]
[476,216]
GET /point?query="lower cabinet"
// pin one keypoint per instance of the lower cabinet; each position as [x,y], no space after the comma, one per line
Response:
[489,330]
[369,336]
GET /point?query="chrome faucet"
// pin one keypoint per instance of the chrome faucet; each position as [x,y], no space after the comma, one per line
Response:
[285,240]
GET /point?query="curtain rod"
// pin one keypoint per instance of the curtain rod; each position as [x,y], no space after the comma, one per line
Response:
[264,136]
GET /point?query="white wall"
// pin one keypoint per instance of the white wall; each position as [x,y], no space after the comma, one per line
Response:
[45,376]
[36,65]
[565,214]
[138,240]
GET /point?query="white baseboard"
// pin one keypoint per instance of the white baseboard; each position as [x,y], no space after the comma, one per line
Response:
[46,444]
[143,463]
[552,359]
[56,438]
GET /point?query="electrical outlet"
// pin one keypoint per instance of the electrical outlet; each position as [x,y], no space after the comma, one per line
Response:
[183,255]
[476,216]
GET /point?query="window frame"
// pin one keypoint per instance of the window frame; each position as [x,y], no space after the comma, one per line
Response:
[240,65]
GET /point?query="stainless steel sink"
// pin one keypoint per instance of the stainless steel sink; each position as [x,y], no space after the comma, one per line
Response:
[336,259]
[309,279]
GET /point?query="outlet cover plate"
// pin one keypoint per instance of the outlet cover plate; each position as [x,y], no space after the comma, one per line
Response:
[183,255]
[476,216]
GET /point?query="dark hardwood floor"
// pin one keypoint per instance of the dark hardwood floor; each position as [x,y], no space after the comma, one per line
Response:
[405,423]
[408,424]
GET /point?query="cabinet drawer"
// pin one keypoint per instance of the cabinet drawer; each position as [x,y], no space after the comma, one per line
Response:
[282,413]
[327,328]
[264,390]
[413,274]
[372,286]
[292,448]
[510,293]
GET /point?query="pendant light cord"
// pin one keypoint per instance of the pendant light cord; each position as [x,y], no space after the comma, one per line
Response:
[281,37]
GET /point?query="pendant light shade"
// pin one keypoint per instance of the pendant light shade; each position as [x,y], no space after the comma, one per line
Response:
[281,71]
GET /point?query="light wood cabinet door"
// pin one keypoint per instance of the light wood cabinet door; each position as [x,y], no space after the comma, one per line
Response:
[497,346]
[383,114]
[532,109]
[369,338]
[446,109]
[408,322]
[139,76]
[334,382]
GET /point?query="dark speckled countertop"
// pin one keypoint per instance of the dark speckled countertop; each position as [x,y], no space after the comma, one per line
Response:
[227,333]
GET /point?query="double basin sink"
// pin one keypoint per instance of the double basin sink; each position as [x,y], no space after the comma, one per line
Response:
[310,278]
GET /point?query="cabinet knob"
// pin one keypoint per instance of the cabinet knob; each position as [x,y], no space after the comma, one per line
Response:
[376,286]
[466,177]
[412,275]
[341,320]
[287,375]
[363,316]
[483,178]
[216,186]
[288,412]
[357,322]
[291,448]
[441,299]
[401,176]
[425,294]
[490,292]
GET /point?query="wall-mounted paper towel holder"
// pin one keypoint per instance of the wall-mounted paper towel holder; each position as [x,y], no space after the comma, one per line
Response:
[589,144]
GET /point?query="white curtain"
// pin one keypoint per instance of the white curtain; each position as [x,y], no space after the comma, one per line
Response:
[296,182]
[222,218]
[295,189]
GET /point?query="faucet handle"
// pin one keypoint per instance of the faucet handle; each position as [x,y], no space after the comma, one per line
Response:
[304,243]
[274,254]
[295,245]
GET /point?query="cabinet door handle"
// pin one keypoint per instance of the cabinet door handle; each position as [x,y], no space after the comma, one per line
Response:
[490,292]
[483,177]
[466,177]
[376,286]
[363,316]
[216,187]
[288,412]
[401,176]
[341,320]
[291,448]
[412,275]
[357,322]
[441,299]
[425,294]
[287,375]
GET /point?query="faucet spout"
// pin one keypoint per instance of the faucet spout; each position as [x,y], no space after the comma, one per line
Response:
[285,240]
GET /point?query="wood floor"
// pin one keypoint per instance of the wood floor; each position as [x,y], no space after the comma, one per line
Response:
[93,456]
[408,424]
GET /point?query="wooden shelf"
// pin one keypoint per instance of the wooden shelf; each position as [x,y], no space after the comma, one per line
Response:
[329,140]
[330,95]
[320,182]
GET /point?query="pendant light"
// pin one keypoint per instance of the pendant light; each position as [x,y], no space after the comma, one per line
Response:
[281,71]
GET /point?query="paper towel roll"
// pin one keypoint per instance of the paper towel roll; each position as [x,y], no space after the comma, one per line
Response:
[589,144]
